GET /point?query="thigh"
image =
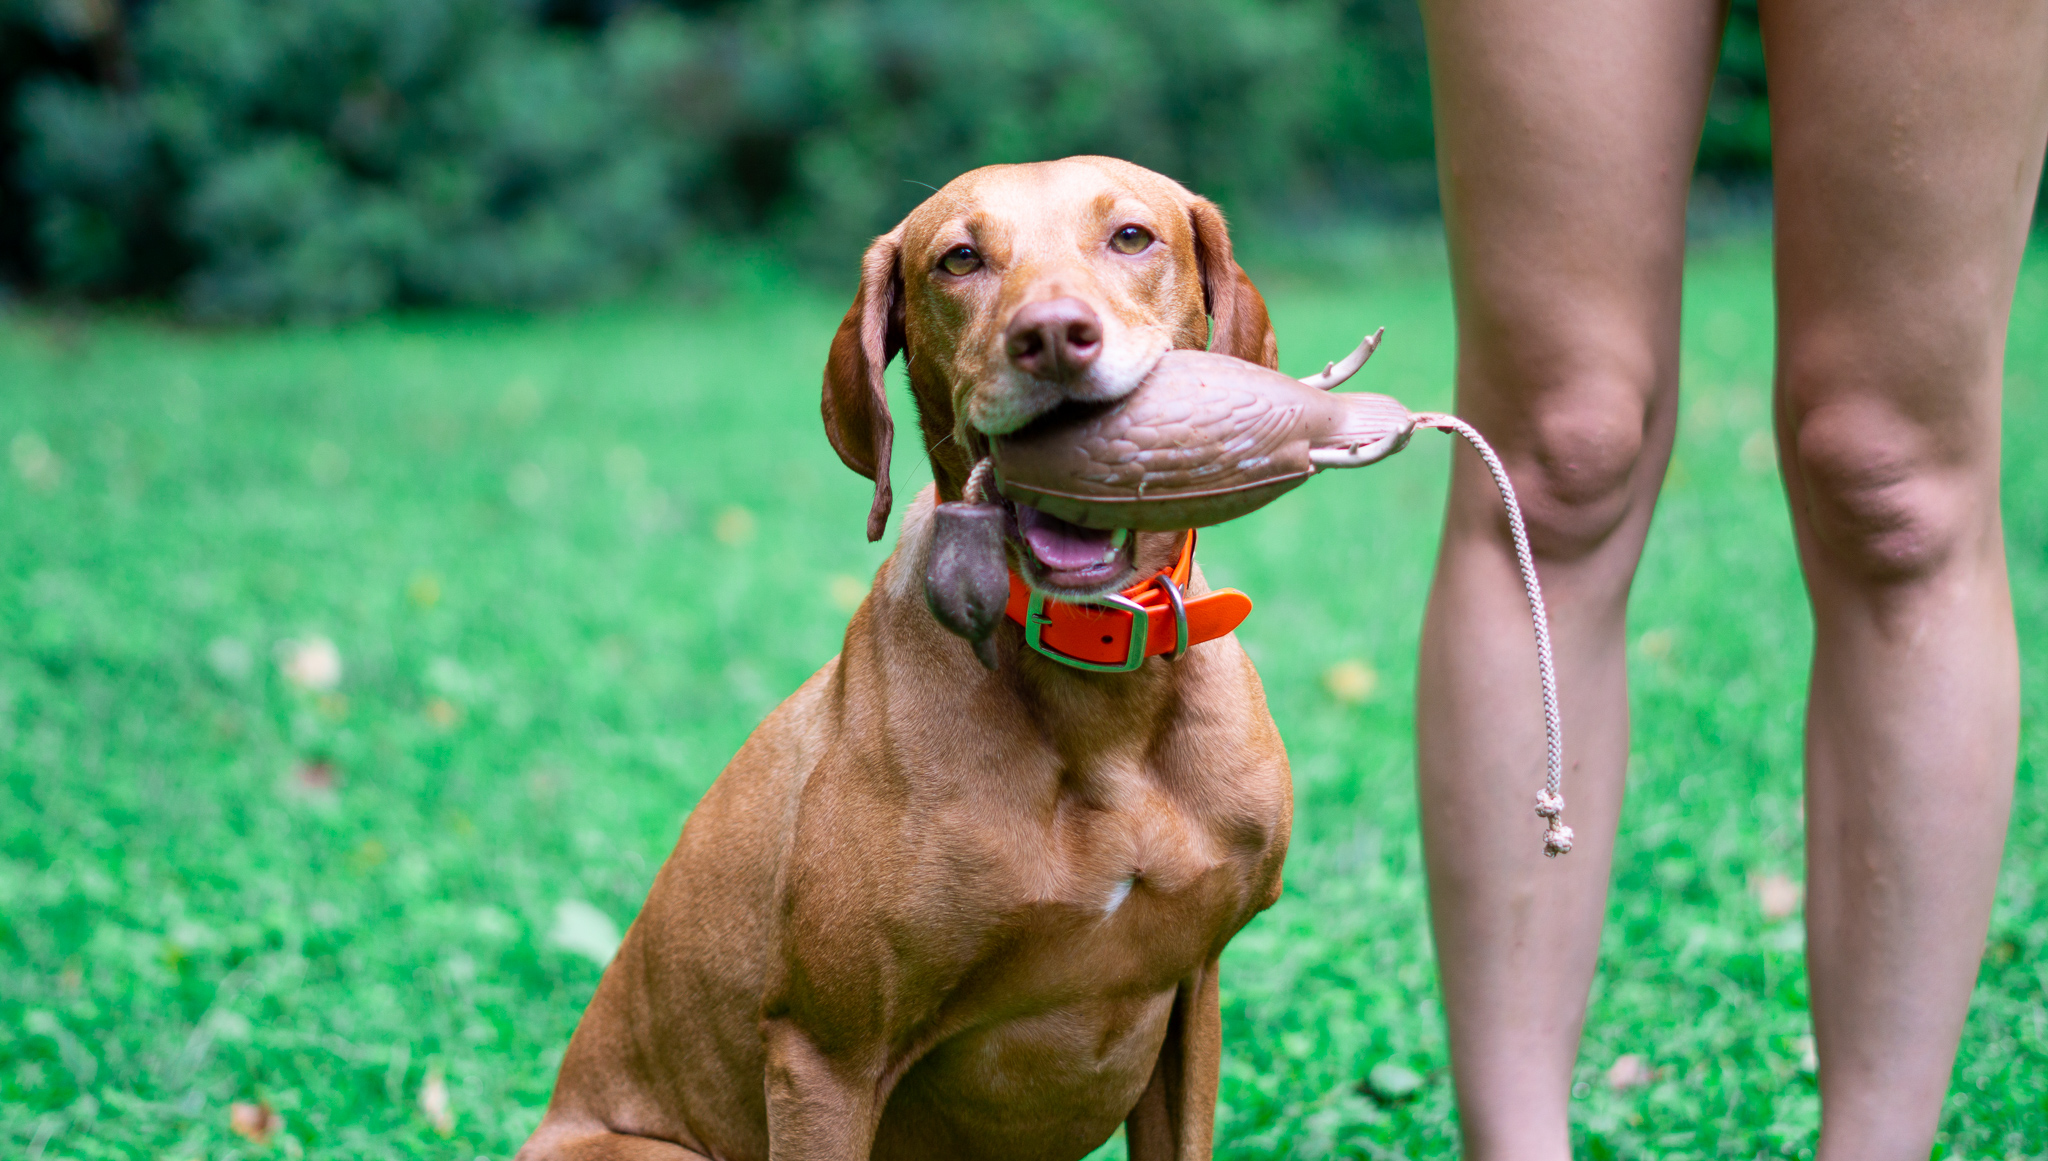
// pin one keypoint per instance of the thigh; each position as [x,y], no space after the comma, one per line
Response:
[1907,139]
[1565,139]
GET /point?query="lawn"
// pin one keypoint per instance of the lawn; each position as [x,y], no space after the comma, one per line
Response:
[566,563]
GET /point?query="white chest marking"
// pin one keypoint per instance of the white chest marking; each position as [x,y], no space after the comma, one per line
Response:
[1118,894]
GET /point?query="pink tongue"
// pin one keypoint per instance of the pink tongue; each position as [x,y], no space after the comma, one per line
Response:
[1058,544]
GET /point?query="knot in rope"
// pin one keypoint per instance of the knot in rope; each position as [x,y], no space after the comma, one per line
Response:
[1557,837]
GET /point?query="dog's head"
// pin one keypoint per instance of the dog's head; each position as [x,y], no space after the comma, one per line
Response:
[1016,290]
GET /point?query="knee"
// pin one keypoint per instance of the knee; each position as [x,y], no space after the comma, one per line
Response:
[1579,466]
[1884,499]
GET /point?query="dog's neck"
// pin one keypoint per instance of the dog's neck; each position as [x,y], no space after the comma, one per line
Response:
[899,604]
[951,460]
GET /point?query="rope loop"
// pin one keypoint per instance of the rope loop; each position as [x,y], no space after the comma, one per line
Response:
[976,489]
[1557,837]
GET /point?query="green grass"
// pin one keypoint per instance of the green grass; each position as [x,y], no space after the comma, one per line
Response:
[569,562]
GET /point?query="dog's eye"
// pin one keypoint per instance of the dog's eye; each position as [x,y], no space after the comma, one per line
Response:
[960,260]
[1131,239]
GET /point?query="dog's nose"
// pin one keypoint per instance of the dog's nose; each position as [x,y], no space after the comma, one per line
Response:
[1056,339]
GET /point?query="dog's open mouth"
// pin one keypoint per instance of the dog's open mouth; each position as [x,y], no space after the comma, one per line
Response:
[1065,557]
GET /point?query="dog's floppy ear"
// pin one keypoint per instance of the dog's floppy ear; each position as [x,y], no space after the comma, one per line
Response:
[1237,312]
[856,402]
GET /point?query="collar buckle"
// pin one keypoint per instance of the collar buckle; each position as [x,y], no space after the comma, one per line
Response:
[1035,620]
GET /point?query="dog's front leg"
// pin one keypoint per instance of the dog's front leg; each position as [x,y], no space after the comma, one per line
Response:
[1175,1119]
[819,1108]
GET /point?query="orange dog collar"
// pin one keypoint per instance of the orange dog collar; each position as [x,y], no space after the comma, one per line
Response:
[1102,635]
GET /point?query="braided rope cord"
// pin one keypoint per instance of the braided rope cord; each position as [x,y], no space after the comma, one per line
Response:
[976,489]
[1557,837]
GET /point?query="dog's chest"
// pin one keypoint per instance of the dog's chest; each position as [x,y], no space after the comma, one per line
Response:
[1121,885]
[1093,916]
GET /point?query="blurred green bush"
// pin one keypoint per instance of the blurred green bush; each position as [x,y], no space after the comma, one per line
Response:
[1736,141]
[325,158]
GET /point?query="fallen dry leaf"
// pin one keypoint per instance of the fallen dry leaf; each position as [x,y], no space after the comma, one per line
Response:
[424,591]
[1759,452]
[615,652]
[1351,682]
[583,929]
[313,663]
[34,462]
[370,854]
[317,776]
[1629,1071]
[1777,896]
[258,1121]
[735,525]
[1655,644]
[521,402]
[434,1102]
[846,592]
[1391,1082]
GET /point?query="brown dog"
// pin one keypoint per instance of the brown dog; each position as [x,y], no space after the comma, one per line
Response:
[931,909]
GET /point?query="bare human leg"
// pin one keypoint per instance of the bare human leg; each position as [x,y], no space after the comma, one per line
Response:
[1565,136]
[1907,141]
